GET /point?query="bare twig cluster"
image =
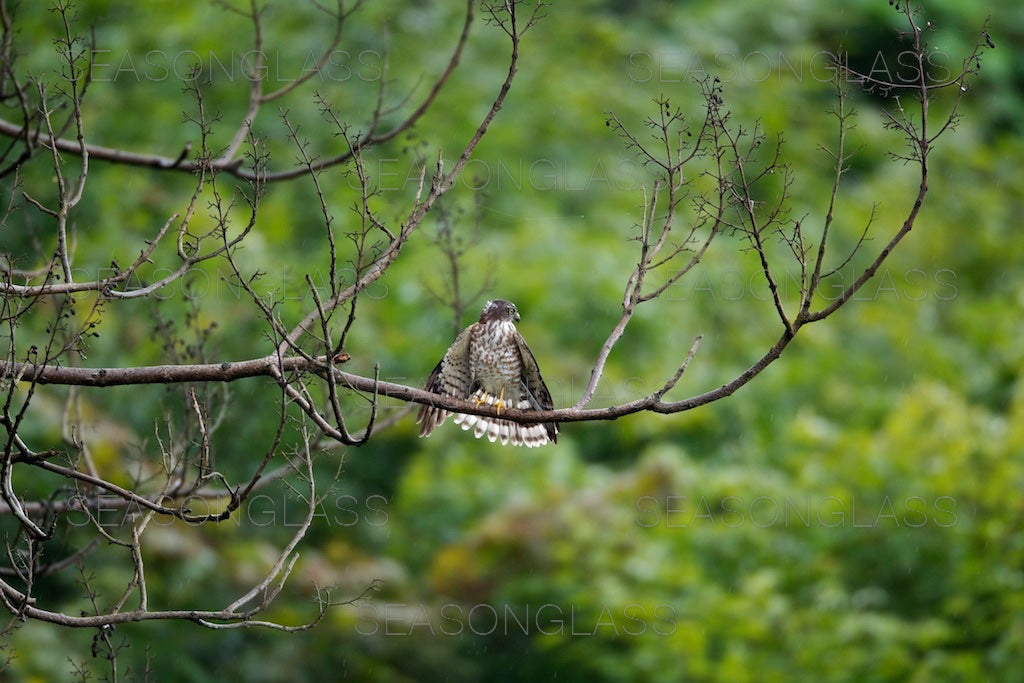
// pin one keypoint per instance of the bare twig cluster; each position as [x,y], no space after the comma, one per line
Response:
[709,179]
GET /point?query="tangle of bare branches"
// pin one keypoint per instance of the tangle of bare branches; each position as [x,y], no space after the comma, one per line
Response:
[709,173]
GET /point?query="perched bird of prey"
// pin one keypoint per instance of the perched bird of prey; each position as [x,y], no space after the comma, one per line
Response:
[490,363]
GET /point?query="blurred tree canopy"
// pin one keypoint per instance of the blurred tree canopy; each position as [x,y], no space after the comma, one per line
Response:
[853,515]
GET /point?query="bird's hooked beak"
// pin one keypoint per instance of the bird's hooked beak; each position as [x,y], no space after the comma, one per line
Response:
[515,316]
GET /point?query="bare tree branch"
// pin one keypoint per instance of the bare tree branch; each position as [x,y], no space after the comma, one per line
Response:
[233,165]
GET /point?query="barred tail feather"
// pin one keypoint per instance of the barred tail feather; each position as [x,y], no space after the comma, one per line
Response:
[506,431]
[430,418]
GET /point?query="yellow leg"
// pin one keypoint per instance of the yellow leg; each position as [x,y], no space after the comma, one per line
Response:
[486,398]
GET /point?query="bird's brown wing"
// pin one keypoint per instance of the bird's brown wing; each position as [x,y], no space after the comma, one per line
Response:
[451,377]
[537,391]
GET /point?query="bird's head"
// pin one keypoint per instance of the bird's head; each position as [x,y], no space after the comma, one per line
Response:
[499,310]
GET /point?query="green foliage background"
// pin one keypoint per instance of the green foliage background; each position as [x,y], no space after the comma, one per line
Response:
[854,514]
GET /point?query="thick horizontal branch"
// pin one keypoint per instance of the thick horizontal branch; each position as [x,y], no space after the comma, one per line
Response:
[272,366]
[267,366]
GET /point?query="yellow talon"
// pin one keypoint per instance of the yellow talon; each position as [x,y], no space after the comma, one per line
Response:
[499,405]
